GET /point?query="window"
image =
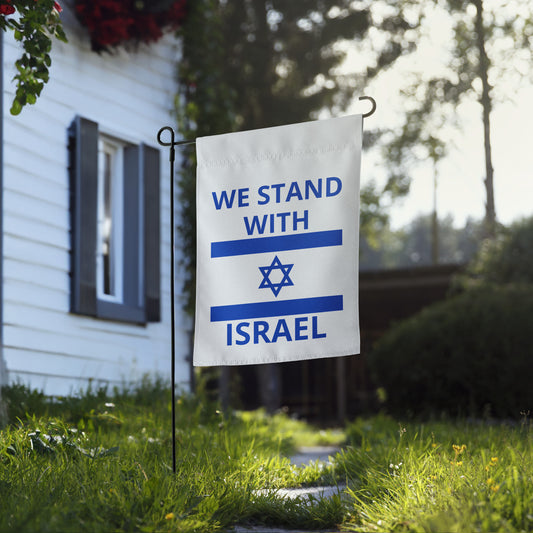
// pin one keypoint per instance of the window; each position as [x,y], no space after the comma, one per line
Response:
[115,234]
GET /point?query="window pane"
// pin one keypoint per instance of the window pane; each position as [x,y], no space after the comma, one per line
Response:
[107,233]
[110,209]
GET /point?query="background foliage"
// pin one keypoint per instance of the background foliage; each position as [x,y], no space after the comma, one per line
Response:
[488,52]
[506,259]
[469,355]
[412,245]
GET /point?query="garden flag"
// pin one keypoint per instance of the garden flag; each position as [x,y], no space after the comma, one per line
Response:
[278,243]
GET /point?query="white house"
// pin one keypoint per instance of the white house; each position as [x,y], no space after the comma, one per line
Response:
[85,231]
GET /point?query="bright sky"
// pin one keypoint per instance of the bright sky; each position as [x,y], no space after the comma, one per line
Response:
[461,191]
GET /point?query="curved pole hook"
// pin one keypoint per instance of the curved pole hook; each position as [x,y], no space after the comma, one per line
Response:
[172,136]
[374,106]
[173,141]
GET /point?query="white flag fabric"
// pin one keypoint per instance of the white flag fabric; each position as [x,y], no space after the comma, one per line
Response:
[278,243]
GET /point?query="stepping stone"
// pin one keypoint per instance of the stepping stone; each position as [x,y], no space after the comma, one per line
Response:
[305,455]
[310,454]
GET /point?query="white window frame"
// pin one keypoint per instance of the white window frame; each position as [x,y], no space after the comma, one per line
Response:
[114,150]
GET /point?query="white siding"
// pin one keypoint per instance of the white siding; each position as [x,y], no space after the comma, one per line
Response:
[130,95]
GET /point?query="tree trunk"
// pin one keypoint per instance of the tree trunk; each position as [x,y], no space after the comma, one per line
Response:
[435,220]
[486,104]
[270,386]
[341,390]
[224,388]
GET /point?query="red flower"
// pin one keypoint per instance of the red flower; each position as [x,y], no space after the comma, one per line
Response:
[6,9]
[112,22]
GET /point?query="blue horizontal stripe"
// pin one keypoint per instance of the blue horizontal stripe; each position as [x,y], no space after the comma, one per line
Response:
[301,306]
[279,243]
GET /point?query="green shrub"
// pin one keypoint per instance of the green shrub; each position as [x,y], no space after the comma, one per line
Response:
[506,259]
[469,355]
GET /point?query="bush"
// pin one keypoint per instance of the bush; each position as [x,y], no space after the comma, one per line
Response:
[506,259]
[469,355]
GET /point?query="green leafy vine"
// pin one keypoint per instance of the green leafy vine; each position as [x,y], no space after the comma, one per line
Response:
[33,23]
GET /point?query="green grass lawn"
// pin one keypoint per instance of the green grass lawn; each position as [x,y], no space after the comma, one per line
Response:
[440,476]
[104,464]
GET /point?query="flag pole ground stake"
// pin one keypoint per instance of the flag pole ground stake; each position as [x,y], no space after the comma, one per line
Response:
[172,143]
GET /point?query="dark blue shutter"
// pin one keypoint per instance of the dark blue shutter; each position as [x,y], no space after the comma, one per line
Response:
[83,152]
[152,234]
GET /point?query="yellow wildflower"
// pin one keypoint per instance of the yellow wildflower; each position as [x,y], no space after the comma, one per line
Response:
[493,462]
[459,449]
[169,516]
[495,488]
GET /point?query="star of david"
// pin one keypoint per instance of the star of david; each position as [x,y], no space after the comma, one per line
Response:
[267,283]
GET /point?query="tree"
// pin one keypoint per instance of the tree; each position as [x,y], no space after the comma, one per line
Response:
[457,245]
[281,59]
[416,142]
[412,244]
[491,42]
[34,25]
[508,259]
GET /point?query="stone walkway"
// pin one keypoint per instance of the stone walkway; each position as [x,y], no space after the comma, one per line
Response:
[305,455]
[310,454]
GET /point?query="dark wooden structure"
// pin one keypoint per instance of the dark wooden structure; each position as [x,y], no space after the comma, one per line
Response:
[333,389]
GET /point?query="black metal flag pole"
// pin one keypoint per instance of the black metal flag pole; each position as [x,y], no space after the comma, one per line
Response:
[172,158]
